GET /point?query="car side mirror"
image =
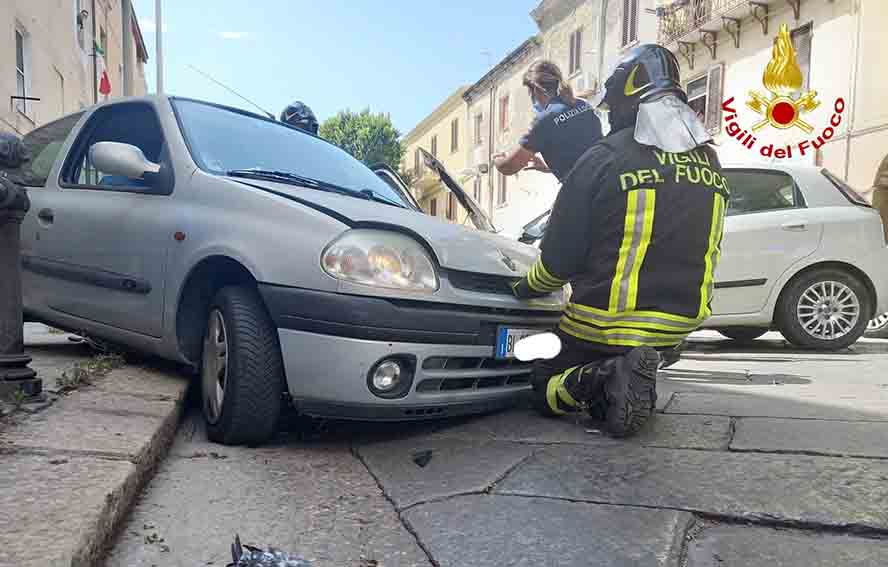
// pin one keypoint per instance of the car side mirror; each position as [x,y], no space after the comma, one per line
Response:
[116,158]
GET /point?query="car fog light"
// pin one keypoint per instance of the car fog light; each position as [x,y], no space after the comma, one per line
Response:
[387,376]
[391,377]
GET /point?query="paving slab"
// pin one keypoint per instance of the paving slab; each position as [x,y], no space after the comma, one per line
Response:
[811,406]
[527,426]
[750,486]
[486,530]
[840,438]
[761,547]
[314,500]
[59,510]
[455,466]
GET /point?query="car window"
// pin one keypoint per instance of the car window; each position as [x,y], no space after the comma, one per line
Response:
[754,191]
[44,145]
[222,139]
[128,123]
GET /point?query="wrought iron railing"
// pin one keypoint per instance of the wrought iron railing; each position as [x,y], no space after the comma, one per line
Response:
[684,16]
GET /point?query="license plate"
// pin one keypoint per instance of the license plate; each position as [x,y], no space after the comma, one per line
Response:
[506,337]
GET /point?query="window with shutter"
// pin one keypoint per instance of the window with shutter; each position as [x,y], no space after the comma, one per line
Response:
[451,207]
[504,113]
[433,207]
[477,192]
[479,122]
[417,163]
[501,193]
[630,21]
[454,135]
[801,41]
[714,97]
[576,50]
[434,145]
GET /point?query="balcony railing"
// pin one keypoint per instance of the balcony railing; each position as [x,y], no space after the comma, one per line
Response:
[681,17]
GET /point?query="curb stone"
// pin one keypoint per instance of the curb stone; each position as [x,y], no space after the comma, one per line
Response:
[71,502]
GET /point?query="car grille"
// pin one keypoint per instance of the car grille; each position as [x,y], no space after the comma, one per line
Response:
[482,283]
[445,374]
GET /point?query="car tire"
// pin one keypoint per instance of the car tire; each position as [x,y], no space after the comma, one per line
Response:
[802,303]
[743,334]
[877,328]
[242,373]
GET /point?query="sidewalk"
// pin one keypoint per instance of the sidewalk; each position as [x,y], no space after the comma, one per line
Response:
[72,466]
[760,456]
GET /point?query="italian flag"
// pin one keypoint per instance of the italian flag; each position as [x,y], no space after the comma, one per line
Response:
[101,67]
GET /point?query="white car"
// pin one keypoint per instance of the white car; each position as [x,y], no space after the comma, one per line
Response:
[802,253]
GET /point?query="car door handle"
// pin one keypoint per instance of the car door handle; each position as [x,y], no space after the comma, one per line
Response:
[46,215]
[795,226]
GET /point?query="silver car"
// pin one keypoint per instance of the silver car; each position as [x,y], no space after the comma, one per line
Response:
[273,264]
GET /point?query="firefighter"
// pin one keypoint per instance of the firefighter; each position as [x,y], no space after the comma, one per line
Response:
[298,114]
[636,230]
[564,127]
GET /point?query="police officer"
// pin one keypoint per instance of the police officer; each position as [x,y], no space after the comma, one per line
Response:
[636,230]
[298,114]
[563,129]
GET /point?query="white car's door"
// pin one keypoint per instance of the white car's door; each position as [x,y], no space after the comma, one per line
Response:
[97,243]
[767,229]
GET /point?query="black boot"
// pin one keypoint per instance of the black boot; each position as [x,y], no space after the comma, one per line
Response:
[565,392]
[631,391]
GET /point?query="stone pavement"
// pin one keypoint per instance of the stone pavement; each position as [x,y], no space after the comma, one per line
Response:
[73,464]
[761,455]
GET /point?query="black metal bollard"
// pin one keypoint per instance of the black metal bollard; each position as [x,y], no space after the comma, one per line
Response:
[14,204]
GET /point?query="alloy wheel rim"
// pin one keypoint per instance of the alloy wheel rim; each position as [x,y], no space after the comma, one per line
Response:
[215,366]
[828,310]
[878,323]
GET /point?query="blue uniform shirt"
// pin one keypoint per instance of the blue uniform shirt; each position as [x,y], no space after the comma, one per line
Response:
[563,133]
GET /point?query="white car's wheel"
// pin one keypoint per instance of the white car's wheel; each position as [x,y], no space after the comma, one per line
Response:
[823,309]
[878,328]
[242,376]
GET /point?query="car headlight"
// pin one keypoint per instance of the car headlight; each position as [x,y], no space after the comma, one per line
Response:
[380,258]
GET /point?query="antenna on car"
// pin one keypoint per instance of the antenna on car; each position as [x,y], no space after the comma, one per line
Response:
[234,92]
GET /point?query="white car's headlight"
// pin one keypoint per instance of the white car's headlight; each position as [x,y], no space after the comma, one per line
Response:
[380,258]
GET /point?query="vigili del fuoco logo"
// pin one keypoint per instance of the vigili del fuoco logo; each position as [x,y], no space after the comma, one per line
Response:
[784,108]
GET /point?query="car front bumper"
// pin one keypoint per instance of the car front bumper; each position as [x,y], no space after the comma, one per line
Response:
[331,342]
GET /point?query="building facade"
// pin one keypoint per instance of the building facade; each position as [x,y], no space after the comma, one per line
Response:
[499,109]
[724,47]
[54,53]
[443,134]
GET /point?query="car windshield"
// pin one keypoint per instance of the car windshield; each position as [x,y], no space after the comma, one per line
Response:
[223,140]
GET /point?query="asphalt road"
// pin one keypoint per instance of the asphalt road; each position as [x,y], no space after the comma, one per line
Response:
[761,455]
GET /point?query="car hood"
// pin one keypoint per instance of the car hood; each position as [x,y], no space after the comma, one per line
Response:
[456,247]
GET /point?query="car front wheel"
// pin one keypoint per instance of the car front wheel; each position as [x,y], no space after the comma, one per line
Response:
[878,328]
[824,309]
[242,377]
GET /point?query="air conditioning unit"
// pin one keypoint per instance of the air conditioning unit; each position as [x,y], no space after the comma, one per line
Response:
[483,168]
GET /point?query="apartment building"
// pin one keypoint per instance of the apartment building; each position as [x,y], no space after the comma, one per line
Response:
[57,56]
[724,47]
[443,134]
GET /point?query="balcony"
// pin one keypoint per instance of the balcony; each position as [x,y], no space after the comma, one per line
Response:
[688,22]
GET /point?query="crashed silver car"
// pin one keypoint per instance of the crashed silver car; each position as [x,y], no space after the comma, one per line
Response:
[271,262]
